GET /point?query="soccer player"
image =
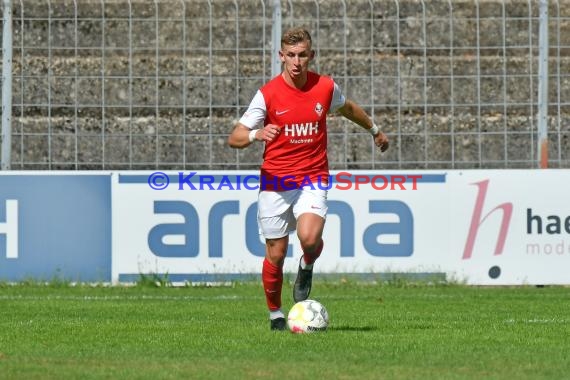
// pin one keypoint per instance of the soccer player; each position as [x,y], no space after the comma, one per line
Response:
[289,115]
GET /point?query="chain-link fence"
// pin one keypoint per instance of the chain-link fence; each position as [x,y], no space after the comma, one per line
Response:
[136,84]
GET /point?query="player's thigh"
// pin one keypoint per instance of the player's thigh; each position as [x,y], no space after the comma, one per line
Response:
[310,228]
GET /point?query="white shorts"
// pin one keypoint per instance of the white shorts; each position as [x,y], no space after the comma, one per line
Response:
[278,211]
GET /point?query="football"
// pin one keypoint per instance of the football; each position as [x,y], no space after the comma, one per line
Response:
[307,317]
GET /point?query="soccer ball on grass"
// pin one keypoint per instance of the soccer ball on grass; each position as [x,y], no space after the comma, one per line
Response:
[307,317]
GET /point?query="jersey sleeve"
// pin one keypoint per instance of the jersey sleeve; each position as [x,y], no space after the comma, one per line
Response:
[256,112]
[338,98]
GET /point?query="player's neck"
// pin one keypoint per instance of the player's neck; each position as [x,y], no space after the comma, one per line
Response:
[298,82]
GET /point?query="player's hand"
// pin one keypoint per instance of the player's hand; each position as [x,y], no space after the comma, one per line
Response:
[270,132]
[381,141]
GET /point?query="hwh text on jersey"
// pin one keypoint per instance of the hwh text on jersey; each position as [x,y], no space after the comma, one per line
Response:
[302,129]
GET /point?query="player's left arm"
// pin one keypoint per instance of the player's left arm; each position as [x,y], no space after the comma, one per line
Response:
[356,114]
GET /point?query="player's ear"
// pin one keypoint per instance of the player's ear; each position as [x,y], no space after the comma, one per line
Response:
[312,56]
[281,56]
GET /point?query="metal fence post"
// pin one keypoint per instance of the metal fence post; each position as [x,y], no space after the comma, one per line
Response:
[7,86]
[276,38]
[543,86]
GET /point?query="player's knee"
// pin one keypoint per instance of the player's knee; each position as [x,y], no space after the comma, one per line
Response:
[310,244]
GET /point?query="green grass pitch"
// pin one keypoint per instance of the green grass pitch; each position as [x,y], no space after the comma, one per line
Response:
[377,331]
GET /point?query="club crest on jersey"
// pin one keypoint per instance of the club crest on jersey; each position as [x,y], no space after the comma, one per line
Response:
[319,109]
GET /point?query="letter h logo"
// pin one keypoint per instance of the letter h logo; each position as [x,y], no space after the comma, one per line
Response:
[9,230]
[476,221]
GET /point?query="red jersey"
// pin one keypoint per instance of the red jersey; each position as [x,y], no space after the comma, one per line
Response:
[299,154]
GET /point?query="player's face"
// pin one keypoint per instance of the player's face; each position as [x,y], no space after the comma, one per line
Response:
[296,58]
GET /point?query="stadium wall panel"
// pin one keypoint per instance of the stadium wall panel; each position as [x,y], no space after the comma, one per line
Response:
[481,227]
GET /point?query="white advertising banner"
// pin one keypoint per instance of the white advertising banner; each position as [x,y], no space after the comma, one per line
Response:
[489,227]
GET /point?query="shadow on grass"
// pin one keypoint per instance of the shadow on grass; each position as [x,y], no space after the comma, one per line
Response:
[352,328]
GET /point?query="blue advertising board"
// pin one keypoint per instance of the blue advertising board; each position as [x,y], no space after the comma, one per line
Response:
[55,227]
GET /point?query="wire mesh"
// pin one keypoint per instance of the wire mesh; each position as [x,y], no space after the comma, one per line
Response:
[143,85]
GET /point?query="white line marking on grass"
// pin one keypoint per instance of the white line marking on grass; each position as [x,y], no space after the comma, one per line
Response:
[125,298]
[538,321]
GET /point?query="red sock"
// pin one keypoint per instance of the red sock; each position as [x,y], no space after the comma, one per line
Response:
[272,277]
[310,258]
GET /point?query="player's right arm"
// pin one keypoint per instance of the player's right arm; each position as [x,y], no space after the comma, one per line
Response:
[242,136]
[245,131]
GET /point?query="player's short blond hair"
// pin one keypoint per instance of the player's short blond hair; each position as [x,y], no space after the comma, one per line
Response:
[295,35]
